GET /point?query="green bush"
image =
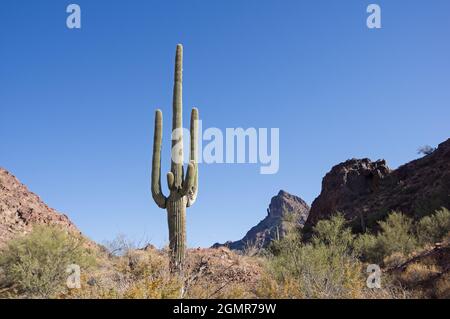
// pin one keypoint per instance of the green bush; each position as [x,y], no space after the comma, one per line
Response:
[366,247]
[431,229]
[323,268]
[34,265]
[333,233]
[396,236]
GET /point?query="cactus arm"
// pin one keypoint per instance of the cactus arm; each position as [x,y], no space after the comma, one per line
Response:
[170,180]
[157,194]
[177,120]
[192,195]
[188,183]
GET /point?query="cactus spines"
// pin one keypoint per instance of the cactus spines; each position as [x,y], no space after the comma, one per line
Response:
[183,189]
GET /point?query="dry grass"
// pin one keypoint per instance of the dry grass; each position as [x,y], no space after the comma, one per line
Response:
[142,274]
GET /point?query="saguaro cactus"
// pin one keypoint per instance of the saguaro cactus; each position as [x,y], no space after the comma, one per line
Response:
[183,189]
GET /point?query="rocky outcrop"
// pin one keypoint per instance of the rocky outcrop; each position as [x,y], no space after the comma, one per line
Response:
[20,209]
[283,207]
[365,191]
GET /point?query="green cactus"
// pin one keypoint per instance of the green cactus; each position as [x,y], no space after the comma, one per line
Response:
[183,189]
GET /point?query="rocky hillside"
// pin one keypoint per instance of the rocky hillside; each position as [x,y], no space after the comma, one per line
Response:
[427,272]
[365,191]
[283,206]
[20,209]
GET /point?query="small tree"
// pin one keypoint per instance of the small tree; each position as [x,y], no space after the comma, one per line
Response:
[425,150]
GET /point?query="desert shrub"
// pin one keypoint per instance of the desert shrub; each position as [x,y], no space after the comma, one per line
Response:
[334,233]
[147,275]
[154,288]
[324,268]
[399,236]
[35,265]
[289,242]
[365,246]
[120,245]
[270,288]
[252,249]
[140,264]
[291,235]
[431,229]
[396,236]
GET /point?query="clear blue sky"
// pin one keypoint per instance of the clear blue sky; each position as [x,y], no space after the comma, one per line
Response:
[77,106]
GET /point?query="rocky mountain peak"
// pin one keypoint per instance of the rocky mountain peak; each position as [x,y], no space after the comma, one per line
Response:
[281,206]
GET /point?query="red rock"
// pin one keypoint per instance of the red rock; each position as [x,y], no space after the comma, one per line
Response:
[20,209]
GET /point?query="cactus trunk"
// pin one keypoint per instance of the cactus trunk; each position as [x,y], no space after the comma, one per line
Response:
[176,218]
[183,189]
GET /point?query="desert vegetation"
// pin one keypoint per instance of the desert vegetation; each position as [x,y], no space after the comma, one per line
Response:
[35,265]
[413,255]
[331,264]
